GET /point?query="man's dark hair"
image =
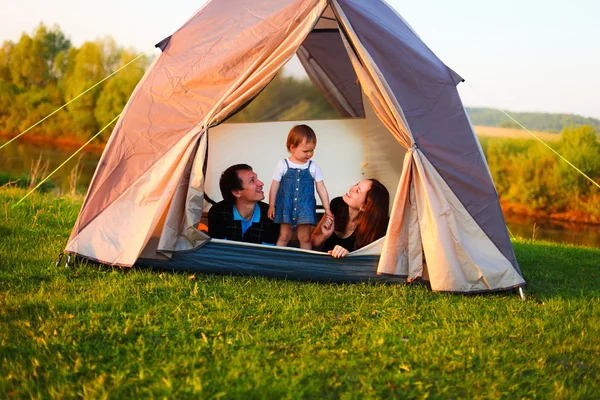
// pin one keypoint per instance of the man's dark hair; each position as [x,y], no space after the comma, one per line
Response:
[231,181]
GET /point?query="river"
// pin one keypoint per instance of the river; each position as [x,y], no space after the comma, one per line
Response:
[17,159]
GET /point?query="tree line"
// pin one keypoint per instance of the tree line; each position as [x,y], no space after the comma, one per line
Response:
[44,71]
[545,122]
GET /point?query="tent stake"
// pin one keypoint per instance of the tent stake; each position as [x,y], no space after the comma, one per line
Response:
[521,293]
[59,259]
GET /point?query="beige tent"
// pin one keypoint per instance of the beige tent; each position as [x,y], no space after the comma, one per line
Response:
[405,125]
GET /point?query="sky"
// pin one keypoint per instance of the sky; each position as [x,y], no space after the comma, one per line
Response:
[518,55]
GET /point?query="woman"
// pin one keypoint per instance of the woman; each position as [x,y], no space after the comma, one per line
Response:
[358,218]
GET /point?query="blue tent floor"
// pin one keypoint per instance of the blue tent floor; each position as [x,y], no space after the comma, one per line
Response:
[253,260]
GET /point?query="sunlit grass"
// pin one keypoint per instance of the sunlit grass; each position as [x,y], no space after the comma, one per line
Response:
[93,331]
[514,133]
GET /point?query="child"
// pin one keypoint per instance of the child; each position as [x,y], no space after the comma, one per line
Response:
[292,195]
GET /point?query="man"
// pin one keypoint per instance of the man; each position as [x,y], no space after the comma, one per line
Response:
[242,216]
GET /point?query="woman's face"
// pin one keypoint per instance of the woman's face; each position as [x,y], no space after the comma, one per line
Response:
[357,195]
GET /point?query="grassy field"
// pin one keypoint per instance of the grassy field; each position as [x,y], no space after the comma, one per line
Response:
[510,133]
[96,332]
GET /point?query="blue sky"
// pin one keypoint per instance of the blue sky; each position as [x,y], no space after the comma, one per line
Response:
[528,55]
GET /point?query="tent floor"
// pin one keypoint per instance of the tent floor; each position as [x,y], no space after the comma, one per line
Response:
[234,258]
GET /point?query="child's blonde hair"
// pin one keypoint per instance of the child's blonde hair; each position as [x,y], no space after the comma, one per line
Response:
[298,134]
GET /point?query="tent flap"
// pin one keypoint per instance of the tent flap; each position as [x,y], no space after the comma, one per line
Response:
[422,89]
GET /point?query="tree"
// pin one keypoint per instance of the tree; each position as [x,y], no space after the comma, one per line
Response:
[40,73]
[85,70]
[53,43]
[5,52]
[115,94]
[580,146]
[32,58]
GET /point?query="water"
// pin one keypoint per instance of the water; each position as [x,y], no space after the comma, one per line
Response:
[17,158]
[553,230]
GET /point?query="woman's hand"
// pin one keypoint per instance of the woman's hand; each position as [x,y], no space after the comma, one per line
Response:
[323,231]
[338,252]
[327,224]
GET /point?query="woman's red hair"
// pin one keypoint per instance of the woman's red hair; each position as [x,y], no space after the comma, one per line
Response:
[372,222]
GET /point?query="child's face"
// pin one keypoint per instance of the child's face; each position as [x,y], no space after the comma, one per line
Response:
[303,152]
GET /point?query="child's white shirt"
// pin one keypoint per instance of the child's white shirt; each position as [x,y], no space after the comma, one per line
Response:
[282,168]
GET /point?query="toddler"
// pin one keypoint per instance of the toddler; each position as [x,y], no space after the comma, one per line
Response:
[292,195]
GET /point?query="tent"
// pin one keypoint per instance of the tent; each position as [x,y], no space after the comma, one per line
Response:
[405,126]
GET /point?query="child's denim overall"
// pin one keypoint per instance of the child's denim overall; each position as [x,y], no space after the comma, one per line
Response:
[296,204]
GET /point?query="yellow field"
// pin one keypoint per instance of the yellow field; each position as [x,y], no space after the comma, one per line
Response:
[514,133]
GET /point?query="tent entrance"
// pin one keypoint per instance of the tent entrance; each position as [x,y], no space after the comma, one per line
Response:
[350,149]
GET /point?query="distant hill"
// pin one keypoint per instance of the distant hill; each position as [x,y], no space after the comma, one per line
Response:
[545,122]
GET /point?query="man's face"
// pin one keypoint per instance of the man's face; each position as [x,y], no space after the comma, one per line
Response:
[252,188]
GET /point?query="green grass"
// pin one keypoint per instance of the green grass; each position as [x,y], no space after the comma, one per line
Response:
[96,332]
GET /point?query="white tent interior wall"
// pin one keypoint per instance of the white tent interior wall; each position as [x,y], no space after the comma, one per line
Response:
[348,150]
